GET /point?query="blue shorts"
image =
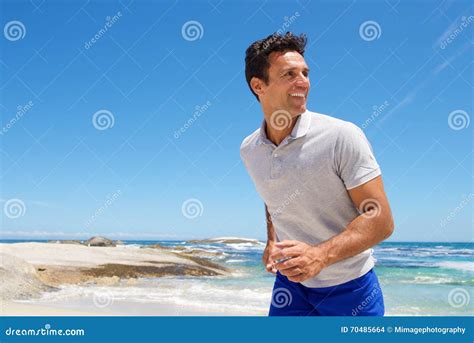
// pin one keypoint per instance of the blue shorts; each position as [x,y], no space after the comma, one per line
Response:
[359,297]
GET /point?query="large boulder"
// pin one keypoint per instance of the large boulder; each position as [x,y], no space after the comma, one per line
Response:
[19,279]
[99,241]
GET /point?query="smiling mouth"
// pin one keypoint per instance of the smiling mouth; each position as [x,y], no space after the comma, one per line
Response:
[298,95]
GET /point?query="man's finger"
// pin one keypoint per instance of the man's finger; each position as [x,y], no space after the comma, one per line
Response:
[286,252]
[297,278]
[291,263]
[286,243]
[291,271]
[270,268]
[276,255]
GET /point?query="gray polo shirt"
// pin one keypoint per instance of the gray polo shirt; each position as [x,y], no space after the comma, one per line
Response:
[304,182]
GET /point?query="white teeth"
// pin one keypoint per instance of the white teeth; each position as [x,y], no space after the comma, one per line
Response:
[298,94]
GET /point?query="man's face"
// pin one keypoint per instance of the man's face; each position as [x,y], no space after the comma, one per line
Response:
[288,83]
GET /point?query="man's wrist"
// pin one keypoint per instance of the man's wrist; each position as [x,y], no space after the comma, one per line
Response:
[321,255]
[271,241]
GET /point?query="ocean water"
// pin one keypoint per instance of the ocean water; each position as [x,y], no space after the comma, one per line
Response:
[434,279]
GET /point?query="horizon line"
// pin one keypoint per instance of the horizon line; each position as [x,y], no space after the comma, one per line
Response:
[205,238]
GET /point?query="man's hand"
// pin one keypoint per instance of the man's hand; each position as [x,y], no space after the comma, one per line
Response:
[306,261]
[266,258]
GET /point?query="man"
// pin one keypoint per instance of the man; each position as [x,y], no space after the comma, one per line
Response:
[324,198]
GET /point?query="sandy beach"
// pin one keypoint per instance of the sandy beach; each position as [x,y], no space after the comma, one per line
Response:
[209,277]
[12,308]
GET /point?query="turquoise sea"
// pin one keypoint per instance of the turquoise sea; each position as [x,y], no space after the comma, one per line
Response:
[434,279]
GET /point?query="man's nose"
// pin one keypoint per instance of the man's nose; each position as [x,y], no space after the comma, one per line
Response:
[302,80]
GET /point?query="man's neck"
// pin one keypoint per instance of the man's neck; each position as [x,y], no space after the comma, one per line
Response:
[274,134]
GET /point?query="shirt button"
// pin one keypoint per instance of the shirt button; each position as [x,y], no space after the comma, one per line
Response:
[276,155]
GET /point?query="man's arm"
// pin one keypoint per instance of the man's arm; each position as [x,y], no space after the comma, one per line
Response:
[270,229]
[271,241]
[374,225]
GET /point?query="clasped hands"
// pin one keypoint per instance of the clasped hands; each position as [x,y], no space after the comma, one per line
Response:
[296,260]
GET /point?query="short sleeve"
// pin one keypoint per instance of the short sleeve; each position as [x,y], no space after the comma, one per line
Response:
[243,148]
[353,157]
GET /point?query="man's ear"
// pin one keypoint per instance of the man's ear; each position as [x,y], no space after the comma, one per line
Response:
[258,86]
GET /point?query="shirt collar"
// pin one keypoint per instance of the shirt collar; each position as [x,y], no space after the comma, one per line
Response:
[299,130]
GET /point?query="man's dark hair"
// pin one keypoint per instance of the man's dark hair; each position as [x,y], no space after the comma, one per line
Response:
[256,55]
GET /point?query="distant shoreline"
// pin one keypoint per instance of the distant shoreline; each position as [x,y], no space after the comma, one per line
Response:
[7,240]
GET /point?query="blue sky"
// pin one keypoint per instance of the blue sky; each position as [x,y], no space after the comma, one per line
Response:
[406,79]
